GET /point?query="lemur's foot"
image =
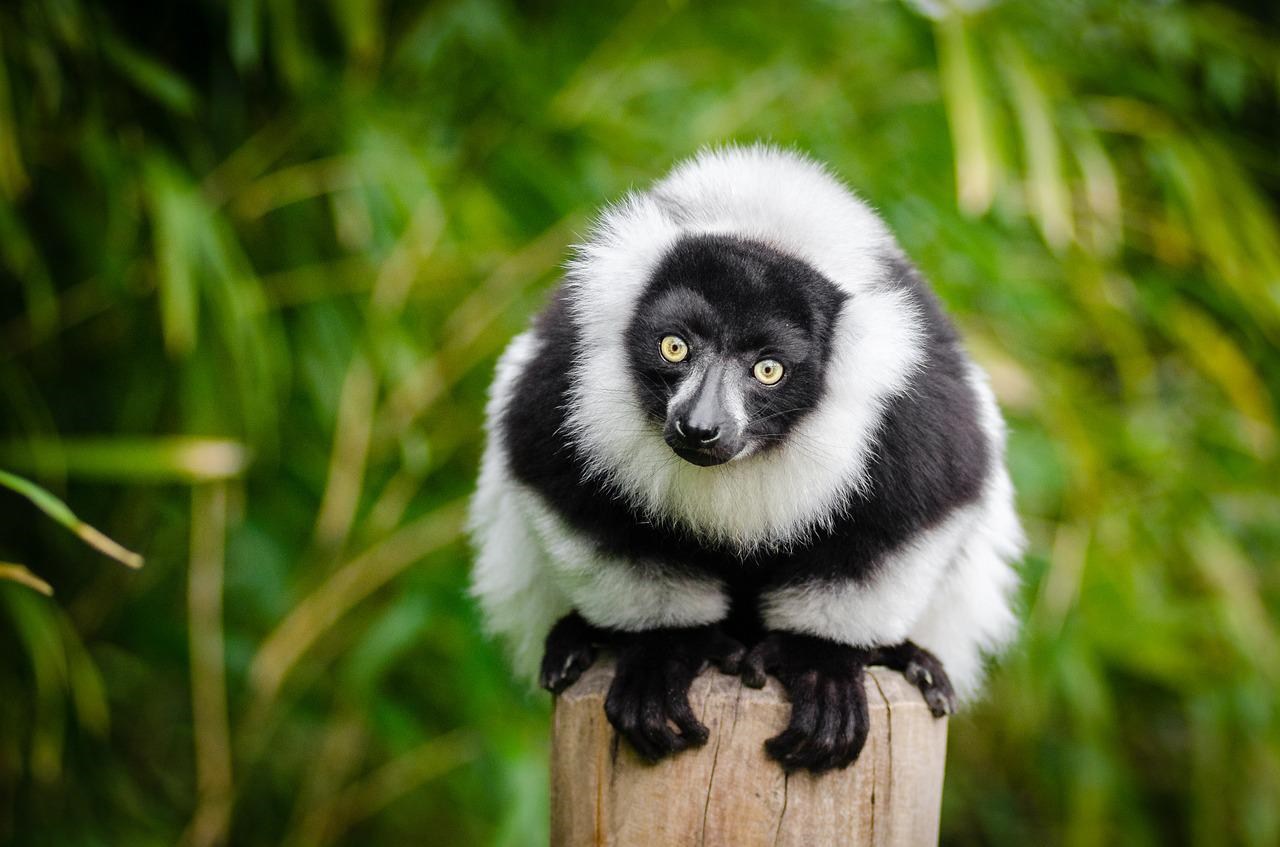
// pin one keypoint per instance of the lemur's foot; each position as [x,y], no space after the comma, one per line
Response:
[923,670]
[650,691]
[571,649]
[824,681]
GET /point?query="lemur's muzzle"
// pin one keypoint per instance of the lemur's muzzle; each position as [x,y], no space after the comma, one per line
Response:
[700,428]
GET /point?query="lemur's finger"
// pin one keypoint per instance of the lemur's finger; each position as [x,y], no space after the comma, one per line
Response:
[923,670]
[622,708]
[787,746]
[752,671]
[801,747]
[823,751]
[561,670]
[820,751]
[654,723]
[570,650]
[549,677]
[763,657]
[853,735]
[844,744]
[727,653]
[681,712]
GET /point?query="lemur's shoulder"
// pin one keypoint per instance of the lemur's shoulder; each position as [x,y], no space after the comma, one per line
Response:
[545,458]
[930,455]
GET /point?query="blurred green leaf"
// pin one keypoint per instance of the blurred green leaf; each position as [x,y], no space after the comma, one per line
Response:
[208,212]
[977,166]
[21,575]
[172,459]
[1049,197]
[56,509]
[151,77]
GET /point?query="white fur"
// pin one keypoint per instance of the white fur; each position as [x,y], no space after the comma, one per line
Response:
[883,609]
[949,590]
[795,206]
[612,592]
[531,569]
[970,612]
[519,602]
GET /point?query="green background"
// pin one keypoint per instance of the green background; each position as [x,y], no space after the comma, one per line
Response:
[257,259]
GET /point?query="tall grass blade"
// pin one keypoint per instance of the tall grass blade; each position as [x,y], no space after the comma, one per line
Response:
[60,512]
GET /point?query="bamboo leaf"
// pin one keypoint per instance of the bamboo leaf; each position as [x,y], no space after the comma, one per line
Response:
[150,76]
[1047,192]
[245,33]
[60,512]
[976,161]
[177,226]
[1218,357]
[175,459]
[20,574]
[13,174]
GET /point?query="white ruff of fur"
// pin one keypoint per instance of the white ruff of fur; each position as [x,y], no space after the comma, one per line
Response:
[970,612]
[610,591]
[949,589]
[795,206]
[510,576]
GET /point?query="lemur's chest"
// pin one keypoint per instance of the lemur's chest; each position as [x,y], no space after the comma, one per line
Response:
[847,547]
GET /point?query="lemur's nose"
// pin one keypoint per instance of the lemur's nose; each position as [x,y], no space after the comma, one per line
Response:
[703,433]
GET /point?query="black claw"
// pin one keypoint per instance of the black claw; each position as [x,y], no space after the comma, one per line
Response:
[923,670]
[681,713]
[761,659]
[650,691]
[558,678]
[824,681]
[570,650]
[726,653]
[731,662]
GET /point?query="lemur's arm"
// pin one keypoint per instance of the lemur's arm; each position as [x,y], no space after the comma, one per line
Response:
[663,624]
[825,627]
[825,681]
[650,689]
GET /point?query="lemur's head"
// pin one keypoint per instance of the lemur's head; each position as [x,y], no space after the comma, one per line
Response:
[729,346]
[742,313]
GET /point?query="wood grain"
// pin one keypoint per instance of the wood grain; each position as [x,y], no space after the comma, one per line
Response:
[729,792]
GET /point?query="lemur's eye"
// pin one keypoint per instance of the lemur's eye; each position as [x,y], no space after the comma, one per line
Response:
[768,371]
[674,349]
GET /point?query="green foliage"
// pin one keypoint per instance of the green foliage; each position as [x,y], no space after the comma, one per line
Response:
[258,259]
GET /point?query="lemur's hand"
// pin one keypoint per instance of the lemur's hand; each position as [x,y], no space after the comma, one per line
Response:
[651,688]
[923,670]
[570,650]
[824,681]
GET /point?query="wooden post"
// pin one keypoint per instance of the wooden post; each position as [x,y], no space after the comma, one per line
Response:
[729,792]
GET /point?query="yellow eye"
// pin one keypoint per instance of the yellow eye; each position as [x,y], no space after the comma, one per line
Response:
[768,371]
[674,349]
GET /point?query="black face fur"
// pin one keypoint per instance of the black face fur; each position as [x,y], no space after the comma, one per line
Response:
[734,303]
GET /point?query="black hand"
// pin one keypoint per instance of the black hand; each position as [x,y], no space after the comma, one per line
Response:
[650,691]
[571,649]
[923,670]
[824,681]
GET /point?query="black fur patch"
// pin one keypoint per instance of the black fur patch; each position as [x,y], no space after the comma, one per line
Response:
[542,456]
[740,302]
[931,455]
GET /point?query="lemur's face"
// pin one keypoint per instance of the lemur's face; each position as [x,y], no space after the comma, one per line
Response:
[729,346]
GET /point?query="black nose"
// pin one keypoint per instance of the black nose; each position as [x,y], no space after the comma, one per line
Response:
[702,433]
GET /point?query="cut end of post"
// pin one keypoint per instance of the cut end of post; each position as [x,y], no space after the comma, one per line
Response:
[729,792]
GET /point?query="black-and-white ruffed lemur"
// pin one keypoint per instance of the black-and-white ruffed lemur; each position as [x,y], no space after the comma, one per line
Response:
[743,433]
